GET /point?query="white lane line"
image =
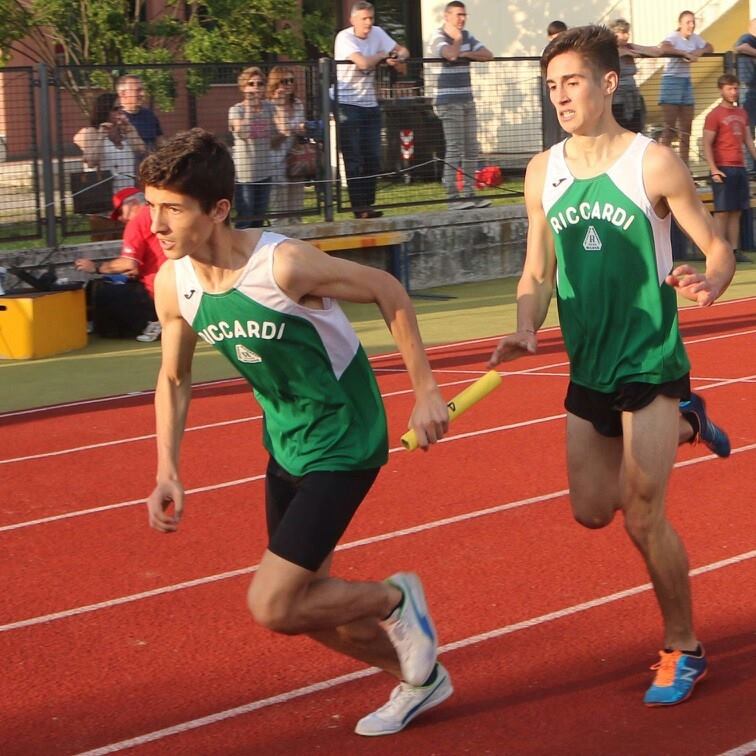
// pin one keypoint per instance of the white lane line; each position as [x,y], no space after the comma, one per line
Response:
[253,568]
[452,345]
[341,547]
[334,682]
[221,423]
[742,750]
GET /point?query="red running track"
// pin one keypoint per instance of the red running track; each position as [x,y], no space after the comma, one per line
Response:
[113,635]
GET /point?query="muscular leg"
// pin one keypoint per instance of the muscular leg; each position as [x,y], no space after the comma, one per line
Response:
[685,126]
[650,442]
[670,114]
[732,233]
[593,468]
[340,614]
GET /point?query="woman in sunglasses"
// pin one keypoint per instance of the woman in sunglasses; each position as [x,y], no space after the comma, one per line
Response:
[252,123]
[290,121]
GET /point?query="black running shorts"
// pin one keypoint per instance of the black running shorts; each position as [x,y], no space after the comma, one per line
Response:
[604,411]
[308,515]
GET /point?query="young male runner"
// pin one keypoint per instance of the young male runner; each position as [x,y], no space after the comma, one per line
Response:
[599,206]
[268,303]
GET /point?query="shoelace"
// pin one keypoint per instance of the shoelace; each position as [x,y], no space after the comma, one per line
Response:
[665,668]
[401,693]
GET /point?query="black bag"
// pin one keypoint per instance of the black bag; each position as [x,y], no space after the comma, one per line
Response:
[302,161]
[92,192]
[120,310]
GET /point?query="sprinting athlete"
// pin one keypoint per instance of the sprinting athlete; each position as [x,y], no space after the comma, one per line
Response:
[268,303]
[599,209]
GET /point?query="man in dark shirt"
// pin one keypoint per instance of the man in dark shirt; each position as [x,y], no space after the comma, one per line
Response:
[130,91]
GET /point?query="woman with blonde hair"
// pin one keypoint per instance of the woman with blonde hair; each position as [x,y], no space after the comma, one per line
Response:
[287,196]
[684,47]
[252,123]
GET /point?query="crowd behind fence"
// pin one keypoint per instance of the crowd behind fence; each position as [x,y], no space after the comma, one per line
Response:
[50,196]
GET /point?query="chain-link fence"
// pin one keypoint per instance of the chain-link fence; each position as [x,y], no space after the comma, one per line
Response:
[305,149]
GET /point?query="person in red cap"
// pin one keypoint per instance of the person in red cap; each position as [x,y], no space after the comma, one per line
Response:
[122,303]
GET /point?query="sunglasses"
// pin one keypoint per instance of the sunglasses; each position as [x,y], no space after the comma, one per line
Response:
[286,81]
[255,84]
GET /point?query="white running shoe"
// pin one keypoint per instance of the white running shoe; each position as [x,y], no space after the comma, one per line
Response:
[405,703]
[411,630]
[151,331]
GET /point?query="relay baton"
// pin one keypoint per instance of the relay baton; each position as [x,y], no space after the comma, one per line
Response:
[461,403]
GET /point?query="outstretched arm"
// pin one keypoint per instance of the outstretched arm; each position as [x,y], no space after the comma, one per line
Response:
[668,179]
[537,281]
[305,272]
[172,395]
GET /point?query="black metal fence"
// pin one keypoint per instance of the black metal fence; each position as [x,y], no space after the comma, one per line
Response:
[428,152]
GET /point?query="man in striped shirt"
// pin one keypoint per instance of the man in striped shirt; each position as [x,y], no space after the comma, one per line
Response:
[454,103]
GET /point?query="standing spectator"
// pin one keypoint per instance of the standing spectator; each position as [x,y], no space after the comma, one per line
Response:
[359,116]
[726,131]
[252,123]
[290,121]
[121,302]
[130,90]
[110,142]
[627,104]
[454,103]
[745,47]
[676,98]
[552,131]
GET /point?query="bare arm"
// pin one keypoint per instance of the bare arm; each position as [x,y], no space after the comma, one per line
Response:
[481,54]
[746,49]
[305,272]
[708,150]
[668,179]
[367,62]
[645,51]
[172,395]
[90,141]
[124,265]
[536,284]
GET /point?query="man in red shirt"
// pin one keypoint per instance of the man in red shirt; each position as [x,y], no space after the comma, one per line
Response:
[129,308]
[726,130]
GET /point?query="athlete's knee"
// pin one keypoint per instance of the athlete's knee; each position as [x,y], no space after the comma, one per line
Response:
[593,517]
[271,612]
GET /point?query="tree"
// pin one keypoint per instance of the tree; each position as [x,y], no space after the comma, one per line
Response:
[74,35]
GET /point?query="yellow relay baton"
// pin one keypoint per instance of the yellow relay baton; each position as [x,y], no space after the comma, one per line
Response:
[461,403]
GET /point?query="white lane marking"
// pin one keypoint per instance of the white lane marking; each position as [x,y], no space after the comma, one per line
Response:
[742,750]
[341,547]
[334,682]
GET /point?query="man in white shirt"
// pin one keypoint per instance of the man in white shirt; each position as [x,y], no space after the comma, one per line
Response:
[366,46]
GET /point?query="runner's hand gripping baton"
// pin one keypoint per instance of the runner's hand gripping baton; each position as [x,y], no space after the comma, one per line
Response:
[461,403]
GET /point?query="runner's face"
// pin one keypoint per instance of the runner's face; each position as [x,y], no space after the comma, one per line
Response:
[579,98]
[179,223]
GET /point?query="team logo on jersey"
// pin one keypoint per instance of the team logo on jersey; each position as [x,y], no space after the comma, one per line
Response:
[592,242]
[246,355]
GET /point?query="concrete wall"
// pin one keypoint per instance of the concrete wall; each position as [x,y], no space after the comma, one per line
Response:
[444,248]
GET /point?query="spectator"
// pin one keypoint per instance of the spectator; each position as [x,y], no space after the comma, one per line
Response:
[130,90]
[252,123]
[726,132]
[359,116]
[745,47]
[290,121]
[122,303]
[676,98]
[110,142]
[552,131]
[454,103]
[627,104]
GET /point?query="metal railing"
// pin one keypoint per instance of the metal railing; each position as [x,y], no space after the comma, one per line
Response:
[45,203]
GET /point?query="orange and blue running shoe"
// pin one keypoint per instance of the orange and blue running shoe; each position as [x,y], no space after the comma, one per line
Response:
[676,676]
[712,435]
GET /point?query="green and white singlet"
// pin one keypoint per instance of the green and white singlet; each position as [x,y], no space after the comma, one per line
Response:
[618,316]
[308,370]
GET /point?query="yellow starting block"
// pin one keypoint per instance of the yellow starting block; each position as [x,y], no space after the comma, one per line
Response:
[40,324]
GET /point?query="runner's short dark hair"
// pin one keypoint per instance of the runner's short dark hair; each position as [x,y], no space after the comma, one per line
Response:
[195,163]
[596,44]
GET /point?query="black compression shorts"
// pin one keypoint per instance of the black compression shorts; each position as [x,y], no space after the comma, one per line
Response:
[308,515]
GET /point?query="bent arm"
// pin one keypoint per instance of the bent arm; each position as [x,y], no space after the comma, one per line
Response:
[746,49]
[482,54]
[667,178]
[90,142]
